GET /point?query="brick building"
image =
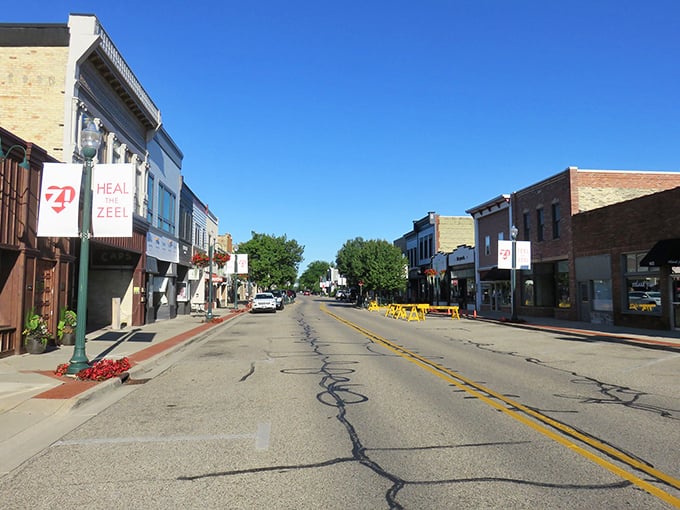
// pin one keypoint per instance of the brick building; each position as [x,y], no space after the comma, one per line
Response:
[627,262]
[543,214]
[57,77]
[431,235]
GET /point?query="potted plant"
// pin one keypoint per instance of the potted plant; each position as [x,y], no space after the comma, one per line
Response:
[66,327]
[36,333]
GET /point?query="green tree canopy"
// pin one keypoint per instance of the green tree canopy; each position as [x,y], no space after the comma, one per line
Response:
[378,263]
[309,279]
[272,261]
[350,261]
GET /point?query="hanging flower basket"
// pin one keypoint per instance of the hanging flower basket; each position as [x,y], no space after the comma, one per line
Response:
[200,259]
[430,272]
[221,258]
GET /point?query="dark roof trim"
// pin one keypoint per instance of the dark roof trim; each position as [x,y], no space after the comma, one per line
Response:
[34,35]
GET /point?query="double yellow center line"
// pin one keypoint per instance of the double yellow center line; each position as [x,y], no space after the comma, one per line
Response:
[566,436]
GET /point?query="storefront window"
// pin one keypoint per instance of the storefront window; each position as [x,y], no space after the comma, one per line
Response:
[602,295]
[562,284]
[642,285]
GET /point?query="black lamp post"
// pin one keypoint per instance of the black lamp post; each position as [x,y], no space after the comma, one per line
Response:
[209,312]
[90,139]
[513,273]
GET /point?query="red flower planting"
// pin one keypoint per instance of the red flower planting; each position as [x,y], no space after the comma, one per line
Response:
[100,371]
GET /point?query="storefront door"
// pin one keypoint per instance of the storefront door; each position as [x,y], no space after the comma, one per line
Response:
[584,301]
[675,300]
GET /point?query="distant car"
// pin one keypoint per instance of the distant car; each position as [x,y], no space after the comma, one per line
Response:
[264,302]
[279,298]
[306,293]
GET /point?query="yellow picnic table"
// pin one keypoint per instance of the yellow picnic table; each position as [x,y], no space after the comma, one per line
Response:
[408,311]
[451,310]
[373,305]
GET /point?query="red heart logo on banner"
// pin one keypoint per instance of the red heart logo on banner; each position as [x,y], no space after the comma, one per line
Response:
[60,196]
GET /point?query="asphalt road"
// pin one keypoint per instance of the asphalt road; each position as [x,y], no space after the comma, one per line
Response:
[322,405]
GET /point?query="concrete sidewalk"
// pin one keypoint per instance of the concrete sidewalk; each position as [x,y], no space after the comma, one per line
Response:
[32,376]
[649,338]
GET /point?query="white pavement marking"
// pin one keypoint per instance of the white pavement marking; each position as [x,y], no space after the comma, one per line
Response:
[653,362]
[261,438]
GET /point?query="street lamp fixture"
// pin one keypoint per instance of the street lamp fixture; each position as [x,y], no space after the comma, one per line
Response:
[513,273]
[90,140]
[4,155]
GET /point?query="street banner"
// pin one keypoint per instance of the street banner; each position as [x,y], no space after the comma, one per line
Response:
[522,256]
[113,200]
[237,264]
[59,200]
[242,263]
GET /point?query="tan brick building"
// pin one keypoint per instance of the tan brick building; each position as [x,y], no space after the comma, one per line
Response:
[431,235]
[53,79]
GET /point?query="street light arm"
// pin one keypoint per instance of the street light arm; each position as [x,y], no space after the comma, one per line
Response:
[4,155]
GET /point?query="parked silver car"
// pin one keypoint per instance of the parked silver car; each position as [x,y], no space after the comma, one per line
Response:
[263,302]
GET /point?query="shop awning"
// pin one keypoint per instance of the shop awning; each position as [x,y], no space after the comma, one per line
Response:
[663,253]
[495,275]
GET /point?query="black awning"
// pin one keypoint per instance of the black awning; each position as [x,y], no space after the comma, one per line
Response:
[495,275]
[663,253]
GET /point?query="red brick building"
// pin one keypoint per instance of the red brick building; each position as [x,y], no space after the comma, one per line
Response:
[544,215]
[627,262]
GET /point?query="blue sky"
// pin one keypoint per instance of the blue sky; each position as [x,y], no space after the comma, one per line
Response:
[326,121]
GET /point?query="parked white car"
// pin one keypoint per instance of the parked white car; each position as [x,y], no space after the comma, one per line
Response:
[263,302]
[655,295]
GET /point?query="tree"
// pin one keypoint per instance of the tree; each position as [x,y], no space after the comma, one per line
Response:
[377,263]
[309,279]
[350,261]
[272,261]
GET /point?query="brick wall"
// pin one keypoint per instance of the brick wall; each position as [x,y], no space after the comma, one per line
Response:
[628,226]
[454,231]
[593,189]
[32,94]
[491,225]
[543,195]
